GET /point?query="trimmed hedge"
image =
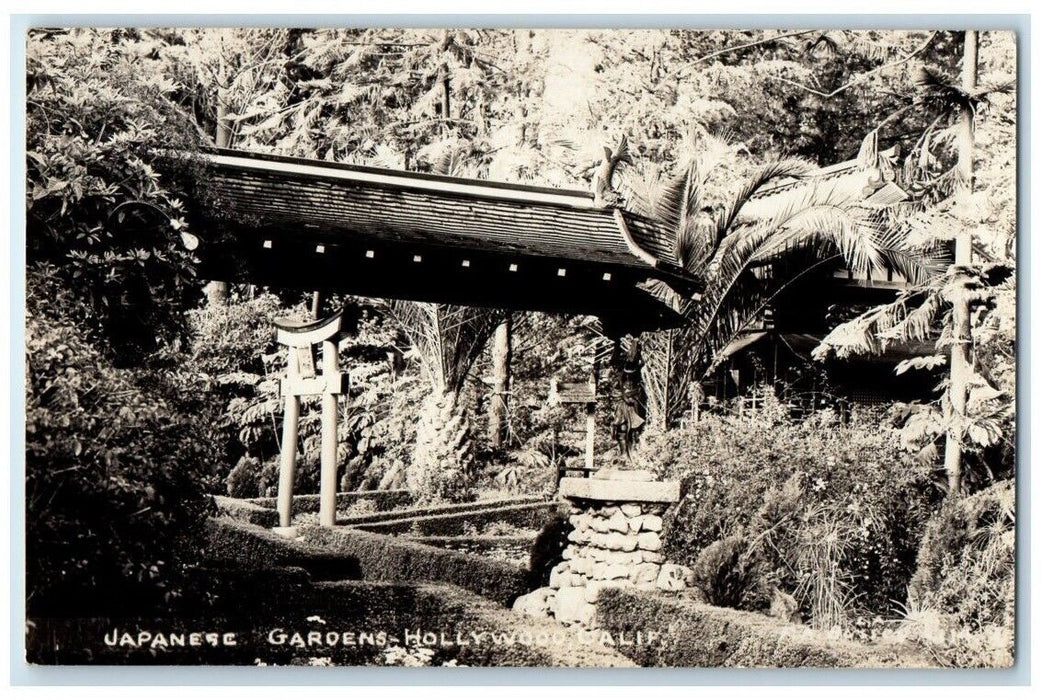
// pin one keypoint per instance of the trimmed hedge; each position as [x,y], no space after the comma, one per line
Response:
[308,503]
[243,544]
[339,608]
[340,553]
[245,511]
[698,635]
[530,515]
[384,558]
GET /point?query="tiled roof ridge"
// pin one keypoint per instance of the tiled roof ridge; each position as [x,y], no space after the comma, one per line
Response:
[535,194]
[827,172]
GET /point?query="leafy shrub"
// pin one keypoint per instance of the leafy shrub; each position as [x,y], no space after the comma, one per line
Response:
[229,340]
[115,476]
[548,548]
[246,478]
[97,206]
[727,575]
[775,483]
[966,565]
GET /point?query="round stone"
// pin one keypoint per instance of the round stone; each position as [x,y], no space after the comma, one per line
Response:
[672,577]
[646,572]
[594,588]
[636,523]
[559,576]
[654,557]
[581,565]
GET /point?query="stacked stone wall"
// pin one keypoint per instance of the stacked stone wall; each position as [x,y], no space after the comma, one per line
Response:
[612,544]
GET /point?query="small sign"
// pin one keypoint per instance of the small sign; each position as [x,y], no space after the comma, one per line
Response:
[576,392]
[306,361]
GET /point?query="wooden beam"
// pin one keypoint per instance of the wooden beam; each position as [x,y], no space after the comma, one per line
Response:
[330,422]
[287,464]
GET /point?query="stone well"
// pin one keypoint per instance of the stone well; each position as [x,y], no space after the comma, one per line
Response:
[616,518]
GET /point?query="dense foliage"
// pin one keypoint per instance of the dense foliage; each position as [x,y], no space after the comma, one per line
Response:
[966,568]
[114,478]
[831,514]
[102,206]
[959,185]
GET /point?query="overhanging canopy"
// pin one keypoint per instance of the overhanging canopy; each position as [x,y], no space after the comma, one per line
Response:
[386,233]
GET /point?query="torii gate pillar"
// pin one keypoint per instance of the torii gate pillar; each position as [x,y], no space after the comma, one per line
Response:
[302,341]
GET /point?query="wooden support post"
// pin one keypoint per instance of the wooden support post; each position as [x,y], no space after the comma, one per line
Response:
[330,421]
[498,426]
[302,379]
[590,435]
[961,318]
[287,468]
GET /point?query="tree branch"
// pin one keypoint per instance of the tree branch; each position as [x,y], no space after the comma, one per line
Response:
[856,80]
[749,45]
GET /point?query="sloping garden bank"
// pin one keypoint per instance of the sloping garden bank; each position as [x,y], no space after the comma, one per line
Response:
[685,632]
[340,553]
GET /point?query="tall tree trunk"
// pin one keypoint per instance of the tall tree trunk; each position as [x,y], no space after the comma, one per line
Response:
[448,339]
[498,407]
[217,293]
[443,460]
[961,349]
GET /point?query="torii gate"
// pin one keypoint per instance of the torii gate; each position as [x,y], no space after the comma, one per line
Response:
[315,225]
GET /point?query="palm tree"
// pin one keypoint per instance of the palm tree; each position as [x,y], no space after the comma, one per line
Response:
[446,340]
[812,226]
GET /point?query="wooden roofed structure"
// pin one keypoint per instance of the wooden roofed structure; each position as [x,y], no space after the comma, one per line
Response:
[384,233]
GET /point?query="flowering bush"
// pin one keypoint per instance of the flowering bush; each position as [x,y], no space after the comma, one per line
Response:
[97,206]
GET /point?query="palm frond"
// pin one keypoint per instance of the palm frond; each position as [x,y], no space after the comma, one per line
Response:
[777,170]
[941,92]
[911,317]
[675,199]
[448,339]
